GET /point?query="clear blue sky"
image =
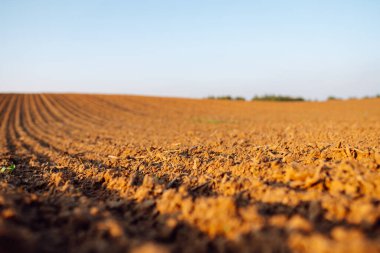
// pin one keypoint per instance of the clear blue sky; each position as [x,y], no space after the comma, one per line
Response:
[191,48]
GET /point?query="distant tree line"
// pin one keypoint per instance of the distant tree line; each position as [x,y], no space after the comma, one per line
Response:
[226,98]
[279,98]
[260,98]
[365,97]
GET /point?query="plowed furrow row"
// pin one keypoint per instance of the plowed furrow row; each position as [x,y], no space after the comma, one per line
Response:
[52,125]
[3,102]
[77,112]
[35,219]
[26,127]
[4,113]
[43,103]
[41,107]
[19,130]
[7,146]
[69,121]
[107,113]
[46,134]
[111,106]
[11,135]
[53,111]
[33,138]
[25,138]
[64,114]
[24,144]
[49,130]
[87,109]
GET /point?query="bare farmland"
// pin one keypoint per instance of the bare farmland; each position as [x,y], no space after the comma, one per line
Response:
[98,173]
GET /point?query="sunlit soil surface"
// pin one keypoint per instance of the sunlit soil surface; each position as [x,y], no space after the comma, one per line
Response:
[121,173]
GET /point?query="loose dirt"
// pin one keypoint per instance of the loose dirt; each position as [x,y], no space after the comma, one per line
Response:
[101,173]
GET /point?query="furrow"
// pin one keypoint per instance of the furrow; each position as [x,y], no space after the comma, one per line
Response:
[5,100]
[54,136]
[113,106]
[27,125]
[4,104]
[77,111]
[32,133]
[5,126]
[46,135]
[52,128]
[68,118]
[53,109]
[85,109]
[44,151]
[13,145]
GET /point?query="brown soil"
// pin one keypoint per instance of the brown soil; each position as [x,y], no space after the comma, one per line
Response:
[121,173]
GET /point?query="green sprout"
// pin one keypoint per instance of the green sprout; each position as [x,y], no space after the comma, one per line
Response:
[9,168]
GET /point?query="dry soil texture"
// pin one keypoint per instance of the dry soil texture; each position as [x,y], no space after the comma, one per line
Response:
[101,173]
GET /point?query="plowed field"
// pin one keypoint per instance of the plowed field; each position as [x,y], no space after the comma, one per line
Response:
[101,173]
